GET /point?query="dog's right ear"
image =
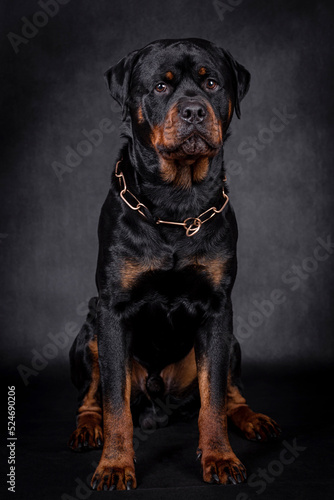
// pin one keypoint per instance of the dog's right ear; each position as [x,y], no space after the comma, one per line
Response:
[241,80]
[118,78]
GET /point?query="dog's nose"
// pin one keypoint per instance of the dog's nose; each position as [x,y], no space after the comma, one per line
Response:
[192,111]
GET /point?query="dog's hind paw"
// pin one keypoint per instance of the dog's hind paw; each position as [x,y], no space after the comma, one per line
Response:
[255,426]
[86,437]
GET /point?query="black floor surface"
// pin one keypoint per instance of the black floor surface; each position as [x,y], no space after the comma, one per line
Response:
[300,401]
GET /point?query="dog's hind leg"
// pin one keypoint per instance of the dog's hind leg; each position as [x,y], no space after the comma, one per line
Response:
[181,376]
[254,426]
[85,375]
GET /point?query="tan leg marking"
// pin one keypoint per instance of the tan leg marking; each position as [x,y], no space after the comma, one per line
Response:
[217,457]
[138,379]
[179,376]
[116,466]
[88,433]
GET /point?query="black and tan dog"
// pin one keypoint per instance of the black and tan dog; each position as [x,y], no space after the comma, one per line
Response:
[162,322]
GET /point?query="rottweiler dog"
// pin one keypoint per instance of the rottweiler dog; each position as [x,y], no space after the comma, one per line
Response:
[162,322]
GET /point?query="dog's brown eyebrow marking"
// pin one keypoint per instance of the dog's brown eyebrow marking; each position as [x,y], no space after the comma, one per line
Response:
[202,71]
[169,75]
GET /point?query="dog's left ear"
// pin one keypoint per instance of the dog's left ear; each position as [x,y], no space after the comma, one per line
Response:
[241,80]
[118,79]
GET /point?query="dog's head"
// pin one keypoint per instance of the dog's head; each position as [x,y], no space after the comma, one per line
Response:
[180,96]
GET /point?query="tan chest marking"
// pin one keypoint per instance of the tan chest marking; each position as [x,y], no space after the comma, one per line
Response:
[213,267]
[132,269]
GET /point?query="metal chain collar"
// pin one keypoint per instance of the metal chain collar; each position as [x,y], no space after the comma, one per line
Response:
[192,224]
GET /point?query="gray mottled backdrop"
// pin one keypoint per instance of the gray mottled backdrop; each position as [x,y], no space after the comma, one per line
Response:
[279,165]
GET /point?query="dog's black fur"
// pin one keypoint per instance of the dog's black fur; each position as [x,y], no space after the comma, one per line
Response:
[162,322]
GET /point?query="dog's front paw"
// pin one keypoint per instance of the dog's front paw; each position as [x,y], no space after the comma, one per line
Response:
[222,469]
[86,437]
[109,476]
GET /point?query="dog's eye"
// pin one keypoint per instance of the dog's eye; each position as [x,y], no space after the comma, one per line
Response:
[211,84]
[161,87]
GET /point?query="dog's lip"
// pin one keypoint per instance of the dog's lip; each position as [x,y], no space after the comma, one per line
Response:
[195,135]
[194,144]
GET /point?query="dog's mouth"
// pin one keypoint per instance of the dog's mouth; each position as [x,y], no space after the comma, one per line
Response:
[195,145]
[192,147]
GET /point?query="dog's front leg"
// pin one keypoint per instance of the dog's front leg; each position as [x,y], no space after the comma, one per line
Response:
[116,467]
[212,349]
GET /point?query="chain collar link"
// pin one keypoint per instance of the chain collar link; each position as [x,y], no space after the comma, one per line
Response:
[191,225]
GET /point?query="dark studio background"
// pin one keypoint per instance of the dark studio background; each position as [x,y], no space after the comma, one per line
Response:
[52,90]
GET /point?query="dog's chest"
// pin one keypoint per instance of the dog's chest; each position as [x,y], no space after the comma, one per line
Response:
[167,304]
[172,275]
